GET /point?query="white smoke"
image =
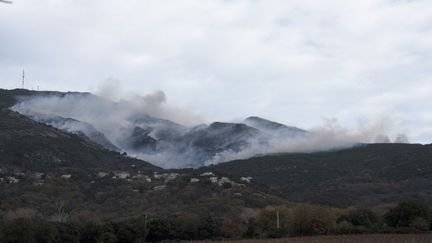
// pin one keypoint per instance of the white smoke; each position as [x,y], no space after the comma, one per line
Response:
[116,114]
[330,136]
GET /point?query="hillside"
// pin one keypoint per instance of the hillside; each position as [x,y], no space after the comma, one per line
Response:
[133,126]
[29,145]
[62,176]
[54,179]
[365,175]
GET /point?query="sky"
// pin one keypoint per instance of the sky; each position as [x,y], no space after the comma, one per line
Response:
[300,62]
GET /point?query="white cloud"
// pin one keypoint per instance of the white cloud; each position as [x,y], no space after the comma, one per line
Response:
[292,61]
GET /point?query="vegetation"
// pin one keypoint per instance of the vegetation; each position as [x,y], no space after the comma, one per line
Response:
[372,238]
[58,187]
[298,220]
[365,175]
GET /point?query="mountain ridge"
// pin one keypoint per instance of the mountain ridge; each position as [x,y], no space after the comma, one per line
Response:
[160,141]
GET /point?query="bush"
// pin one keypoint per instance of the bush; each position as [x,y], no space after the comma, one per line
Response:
[360,217]
[68,233]
[28,230]
[419,224]
[311,220]
[406,213]
[267,222]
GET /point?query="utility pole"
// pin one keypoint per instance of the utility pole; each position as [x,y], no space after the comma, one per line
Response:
[23,78]
[277,220]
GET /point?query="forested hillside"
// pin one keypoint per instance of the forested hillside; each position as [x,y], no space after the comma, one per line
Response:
[364,175]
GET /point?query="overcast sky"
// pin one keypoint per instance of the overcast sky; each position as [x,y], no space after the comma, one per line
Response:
[295,61]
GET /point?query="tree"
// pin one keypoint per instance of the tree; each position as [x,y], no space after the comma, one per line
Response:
[68,233]
[267,221]
[209,227]
[404,214]
[17,231]
[311,220]
[92,233]
[232,227]
[359,217]
[159,230]
[124,232]
[45,232]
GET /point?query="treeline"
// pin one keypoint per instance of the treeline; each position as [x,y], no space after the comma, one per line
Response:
[283,221]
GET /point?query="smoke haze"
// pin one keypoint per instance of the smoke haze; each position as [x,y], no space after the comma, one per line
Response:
[149,128]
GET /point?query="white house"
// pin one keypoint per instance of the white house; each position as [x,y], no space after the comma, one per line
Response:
[211,174]
[67,176]
[246,179]
[226,180]
[12,179]
[122,174]
[102,174]
[213,179]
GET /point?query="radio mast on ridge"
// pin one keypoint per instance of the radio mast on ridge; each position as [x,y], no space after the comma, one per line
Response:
[23,78]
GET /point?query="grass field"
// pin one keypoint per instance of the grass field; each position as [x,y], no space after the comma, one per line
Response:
[376,238]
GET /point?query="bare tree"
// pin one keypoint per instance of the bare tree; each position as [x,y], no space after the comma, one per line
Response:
[63,213]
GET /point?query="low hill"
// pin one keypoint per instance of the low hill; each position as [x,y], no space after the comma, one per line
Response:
[365,175]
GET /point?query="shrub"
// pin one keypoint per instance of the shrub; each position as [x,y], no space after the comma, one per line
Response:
[311,220]
[419,224]
[404,214]
[359,217]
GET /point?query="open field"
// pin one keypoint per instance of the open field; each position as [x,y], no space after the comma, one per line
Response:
[376,238]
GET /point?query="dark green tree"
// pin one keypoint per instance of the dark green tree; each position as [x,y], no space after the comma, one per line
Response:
[404,214]
[360,217]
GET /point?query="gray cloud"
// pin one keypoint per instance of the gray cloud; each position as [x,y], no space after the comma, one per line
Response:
[295,62]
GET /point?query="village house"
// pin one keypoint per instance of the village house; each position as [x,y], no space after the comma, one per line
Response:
[211,174]
[224,180]
[246,179]
[121,174]
[194,180]
[66,176]
[213,179]
[102,174]
[12,180]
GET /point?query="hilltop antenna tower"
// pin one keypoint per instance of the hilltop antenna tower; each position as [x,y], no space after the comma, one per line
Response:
[23,79]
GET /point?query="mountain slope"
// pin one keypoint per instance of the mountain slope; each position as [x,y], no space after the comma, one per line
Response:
[273,127]
[365,175]
[125,126]
[26,144]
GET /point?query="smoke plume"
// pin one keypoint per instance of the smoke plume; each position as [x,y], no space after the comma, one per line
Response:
[149,128]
